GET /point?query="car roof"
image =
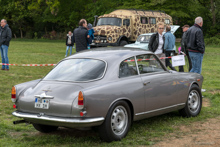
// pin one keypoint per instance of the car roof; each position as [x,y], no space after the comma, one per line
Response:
[109,53]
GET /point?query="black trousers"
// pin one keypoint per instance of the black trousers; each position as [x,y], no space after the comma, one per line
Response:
[168,54]
[181,69]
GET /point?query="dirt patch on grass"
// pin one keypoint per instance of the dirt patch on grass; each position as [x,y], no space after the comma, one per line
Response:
[206,102]
[215,92]
[198,134]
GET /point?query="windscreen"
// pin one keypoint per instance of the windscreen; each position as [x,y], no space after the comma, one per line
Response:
[77,70]
[109,21]
[144,38]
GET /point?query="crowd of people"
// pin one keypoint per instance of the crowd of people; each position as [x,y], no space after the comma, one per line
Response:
[192,45]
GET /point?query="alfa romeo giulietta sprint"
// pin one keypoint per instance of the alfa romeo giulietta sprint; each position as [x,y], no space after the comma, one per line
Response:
[107,88]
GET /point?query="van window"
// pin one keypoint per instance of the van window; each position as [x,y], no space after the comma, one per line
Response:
[152,20]
[167,21]
[144,20]
[126,22]
[109,21]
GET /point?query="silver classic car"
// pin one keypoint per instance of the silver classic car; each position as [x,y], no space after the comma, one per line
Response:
[108,88]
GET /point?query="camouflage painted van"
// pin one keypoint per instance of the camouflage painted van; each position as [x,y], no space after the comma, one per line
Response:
[123,26]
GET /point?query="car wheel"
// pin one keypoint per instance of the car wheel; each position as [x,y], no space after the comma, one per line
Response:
[117,122]
[45,128]
[193,104]
[123,42]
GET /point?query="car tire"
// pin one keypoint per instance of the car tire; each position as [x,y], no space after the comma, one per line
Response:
[123,42]
[193,104]
[117,122]
[45,128]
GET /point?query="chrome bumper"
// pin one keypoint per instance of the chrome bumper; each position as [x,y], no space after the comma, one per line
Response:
[59,121]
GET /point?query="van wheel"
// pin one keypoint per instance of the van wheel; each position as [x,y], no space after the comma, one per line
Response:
[193,104]
[117,122]
[44,128]
[123,42]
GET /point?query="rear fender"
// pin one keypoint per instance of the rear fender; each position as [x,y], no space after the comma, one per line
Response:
[23,86]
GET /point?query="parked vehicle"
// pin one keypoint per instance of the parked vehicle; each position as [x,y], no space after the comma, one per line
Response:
[121,27]
[108,88]
[143,40]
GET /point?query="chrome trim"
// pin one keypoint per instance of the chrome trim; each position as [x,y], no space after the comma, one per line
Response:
[58,119]
[44,96]
[159,109]
[136,65]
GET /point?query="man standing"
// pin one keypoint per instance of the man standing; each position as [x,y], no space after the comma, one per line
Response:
[196,45]
[81,36]
[184,48]
[5,37]
[169,45]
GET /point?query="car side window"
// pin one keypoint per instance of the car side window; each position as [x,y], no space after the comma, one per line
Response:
[148,64]
[128,68]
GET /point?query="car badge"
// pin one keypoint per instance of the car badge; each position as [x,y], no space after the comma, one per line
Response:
[48,90]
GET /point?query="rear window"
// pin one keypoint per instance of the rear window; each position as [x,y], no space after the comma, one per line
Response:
[77,70]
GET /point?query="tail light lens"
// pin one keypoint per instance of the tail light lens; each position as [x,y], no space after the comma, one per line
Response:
[80,98]
[13,94]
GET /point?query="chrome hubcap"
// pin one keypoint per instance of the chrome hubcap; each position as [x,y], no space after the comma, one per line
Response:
[193,101]
[119,120]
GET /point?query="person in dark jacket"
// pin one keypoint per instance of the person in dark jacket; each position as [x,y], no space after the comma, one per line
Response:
[69,42]
[168,46]
[196,45]
[5,37]
[81,36]
[156,43]
[184,49]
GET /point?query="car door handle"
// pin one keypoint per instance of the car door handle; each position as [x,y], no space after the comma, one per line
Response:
[145,83]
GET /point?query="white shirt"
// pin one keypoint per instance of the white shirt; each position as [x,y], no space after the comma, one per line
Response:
[159,49]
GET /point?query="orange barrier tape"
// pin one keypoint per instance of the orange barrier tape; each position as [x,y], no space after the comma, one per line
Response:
[28,64]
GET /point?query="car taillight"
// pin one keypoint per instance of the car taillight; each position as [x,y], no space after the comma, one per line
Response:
[13,94]
[80,98]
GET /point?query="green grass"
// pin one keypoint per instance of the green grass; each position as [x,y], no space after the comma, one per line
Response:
[145,132]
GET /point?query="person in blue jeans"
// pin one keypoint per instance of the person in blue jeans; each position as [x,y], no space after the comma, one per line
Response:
[69,43]
[196,45]
[168,46]
[90,33]
[5,37]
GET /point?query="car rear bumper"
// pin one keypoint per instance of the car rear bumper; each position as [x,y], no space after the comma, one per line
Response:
[79,122]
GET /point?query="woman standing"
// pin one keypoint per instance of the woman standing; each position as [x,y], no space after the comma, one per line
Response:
[69,42]
[156,43]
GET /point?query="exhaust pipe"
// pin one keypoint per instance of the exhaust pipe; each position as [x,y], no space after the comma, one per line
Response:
[19,122]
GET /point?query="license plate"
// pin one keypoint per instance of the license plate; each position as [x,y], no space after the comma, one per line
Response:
[42,103]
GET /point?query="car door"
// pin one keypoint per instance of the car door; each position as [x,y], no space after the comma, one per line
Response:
[130,84]
[158,84]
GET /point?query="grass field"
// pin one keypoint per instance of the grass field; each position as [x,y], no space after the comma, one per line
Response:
[145,132]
